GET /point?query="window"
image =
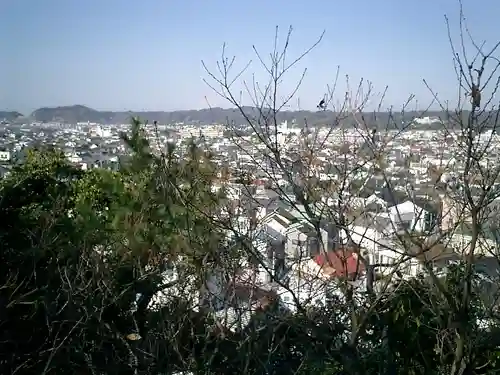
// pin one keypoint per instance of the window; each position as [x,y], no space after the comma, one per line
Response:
[313,245]
[299,249]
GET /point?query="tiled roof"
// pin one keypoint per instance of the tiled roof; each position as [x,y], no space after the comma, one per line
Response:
[340,263]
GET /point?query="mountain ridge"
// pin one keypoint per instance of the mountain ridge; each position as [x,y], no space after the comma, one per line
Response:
[80,113]
[10,115]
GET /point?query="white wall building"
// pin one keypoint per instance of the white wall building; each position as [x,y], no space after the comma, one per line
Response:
[5,156]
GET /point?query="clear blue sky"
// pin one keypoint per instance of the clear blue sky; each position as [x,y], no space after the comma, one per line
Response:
[146,55]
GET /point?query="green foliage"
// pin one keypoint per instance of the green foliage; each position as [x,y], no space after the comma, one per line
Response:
[77,247]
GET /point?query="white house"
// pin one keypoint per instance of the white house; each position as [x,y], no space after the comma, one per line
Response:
[371,200]
[4,156]
[375,235]
[408,215]
[315,282]
[368,232]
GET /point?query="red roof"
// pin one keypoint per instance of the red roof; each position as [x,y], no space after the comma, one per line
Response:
[259,182]
[340,263]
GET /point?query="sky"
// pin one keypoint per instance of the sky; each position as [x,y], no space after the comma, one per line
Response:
[147,55]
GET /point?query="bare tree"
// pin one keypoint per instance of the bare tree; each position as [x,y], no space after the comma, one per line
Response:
[471,189]
[323,172]
[318,172]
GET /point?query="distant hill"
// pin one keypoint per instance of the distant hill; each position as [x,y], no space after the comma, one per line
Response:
[71,114]
[9,116]
[80,113]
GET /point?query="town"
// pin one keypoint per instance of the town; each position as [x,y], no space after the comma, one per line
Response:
[371,208]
